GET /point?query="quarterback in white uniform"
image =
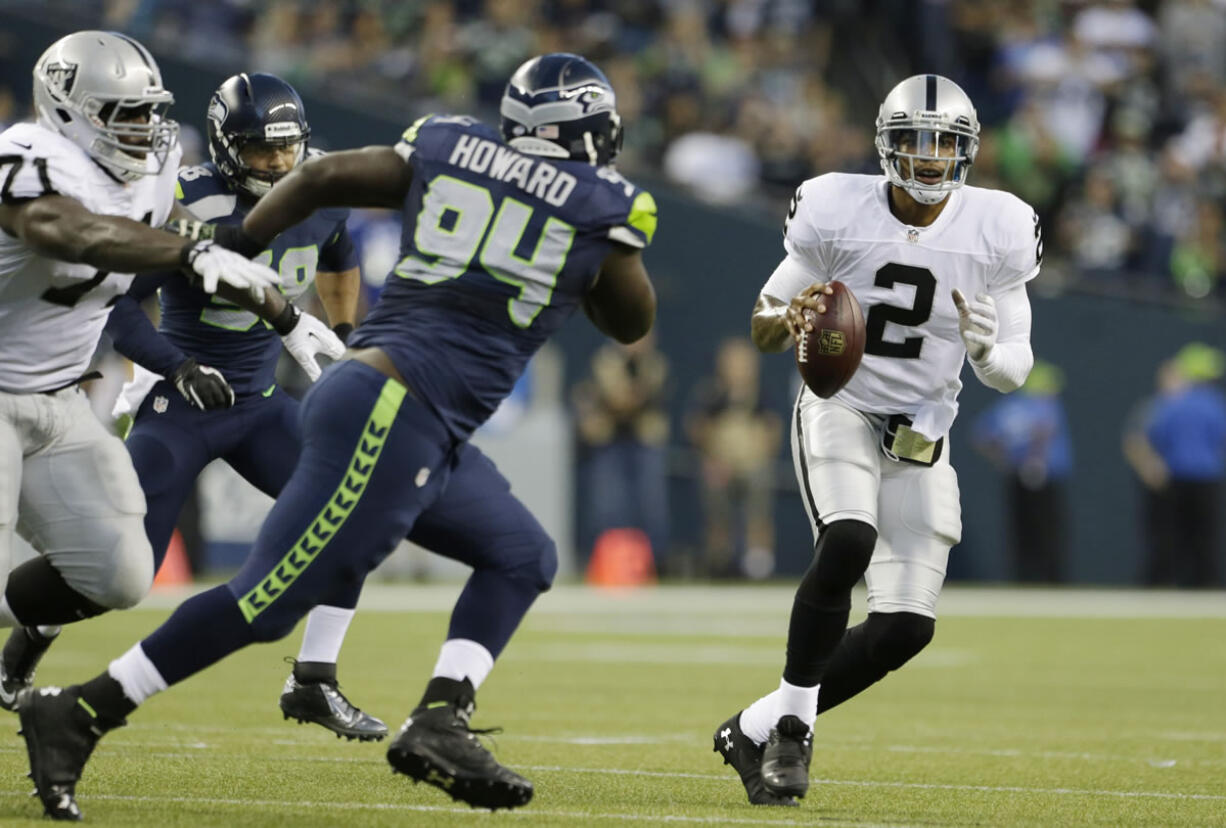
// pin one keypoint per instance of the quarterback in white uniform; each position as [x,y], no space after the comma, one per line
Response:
[81,192]
[939,270]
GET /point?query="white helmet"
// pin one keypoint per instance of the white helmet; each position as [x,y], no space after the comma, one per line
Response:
[927,118]
[87,87]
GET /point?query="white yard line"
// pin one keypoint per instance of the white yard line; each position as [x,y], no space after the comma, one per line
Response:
[751,603]
[530,812]
[724,777]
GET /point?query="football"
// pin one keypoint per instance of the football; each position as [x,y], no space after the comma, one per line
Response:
[828,355]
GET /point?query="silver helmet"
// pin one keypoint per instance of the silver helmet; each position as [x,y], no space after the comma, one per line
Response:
[927,137]
[103,92]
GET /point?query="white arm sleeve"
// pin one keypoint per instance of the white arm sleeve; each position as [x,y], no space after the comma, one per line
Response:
[1009,361]
[790,278]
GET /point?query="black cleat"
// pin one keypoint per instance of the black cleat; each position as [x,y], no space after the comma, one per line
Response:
[60,733]
[323,703]
[745,757]
[21,654]
[785,759]
[436,745]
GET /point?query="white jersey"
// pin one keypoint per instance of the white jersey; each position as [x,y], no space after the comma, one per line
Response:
[52,312]
[841,228]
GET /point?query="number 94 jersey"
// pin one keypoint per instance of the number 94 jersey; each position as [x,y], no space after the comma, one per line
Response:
[497,251]
[985,241]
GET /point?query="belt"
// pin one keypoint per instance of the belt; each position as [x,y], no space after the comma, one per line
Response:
[86,377]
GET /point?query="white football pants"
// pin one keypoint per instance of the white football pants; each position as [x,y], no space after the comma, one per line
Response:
[844,474]
[68,486]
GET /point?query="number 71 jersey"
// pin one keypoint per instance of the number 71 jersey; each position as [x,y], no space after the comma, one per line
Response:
[985,241]
[52,312]
[497,251]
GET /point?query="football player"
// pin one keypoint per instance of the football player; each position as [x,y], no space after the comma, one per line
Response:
[204,388]
[940,271]
[81,191]
[506,234]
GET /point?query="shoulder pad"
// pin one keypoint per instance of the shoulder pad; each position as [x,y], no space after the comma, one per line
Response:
[36,162]
[205,193]
[424,129]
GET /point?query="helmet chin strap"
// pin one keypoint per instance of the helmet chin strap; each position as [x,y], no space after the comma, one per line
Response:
[926,196]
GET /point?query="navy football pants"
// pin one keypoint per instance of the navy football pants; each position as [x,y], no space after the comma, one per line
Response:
[376,465]
[259,438]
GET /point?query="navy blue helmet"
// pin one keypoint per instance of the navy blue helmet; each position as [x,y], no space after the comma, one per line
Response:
[260,109]
[561,106]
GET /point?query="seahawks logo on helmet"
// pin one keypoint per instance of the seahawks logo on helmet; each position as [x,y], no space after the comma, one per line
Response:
[218,110]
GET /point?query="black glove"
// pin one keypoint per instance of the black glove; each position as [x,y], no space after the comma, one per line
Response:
[229,236]
[202,386]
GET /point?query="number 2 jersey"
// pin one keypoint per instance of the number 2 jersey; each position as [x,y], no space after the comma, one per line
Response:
[217,333]
[497,251]
[53,312]
[985,241]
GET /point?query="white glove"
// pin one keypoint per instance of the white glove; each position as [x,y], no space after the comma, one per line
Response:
[308,338]
[214,264]
[976,323]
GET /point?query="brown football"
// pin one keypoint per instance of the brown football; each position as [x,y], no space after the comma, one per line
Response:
[828,355]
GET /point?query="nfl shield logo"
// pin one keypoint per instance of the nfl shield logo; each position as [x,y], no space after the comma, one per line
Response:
[912,235]
[160,404]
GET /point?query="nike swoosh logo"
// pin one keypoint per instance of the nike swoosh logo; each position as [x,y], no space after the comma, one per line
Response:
[24,146]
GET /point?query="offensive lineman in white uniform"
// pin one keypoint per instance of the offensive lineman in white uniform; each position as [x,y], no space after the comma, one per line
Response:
[872,463]
[81,192]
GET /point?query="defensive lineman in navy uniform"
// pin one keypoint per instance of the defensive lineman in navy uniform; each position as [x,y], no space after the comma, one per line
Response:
[504,237]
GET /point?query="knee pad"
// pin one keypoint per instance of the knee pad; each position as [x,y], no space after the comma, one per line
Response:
[535,562]
[843,552]
[540,567]
[129,575]
[547,564]
[894,638]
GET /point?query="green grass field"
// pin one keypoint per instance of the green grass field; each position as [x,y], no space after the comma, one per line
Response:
[1036,708]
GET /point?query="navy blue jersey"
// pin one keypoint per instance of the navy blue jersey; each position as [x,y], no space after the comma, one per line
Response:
[232,340]
[497,251]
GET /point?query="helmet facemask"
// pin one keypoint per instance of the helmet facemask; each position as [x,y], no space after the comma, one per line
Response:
[129,133]
[929,163]
[256,182]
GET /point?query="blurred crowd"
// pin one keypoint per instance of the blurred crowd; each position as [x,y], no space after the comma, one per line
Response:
[1109,116]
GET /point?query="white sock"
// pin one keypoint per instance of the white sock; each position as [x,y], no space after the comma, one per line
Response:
[461,659]
[49,631]
[800,702]
[137,675]
[758,719]
[324,634]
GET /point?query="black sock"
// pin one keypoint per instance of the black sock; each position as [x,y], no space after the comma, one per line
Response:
[315,672]
[106,698]
[448,691]
[38,594]
[823,599]
[885,641]
[850,670]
